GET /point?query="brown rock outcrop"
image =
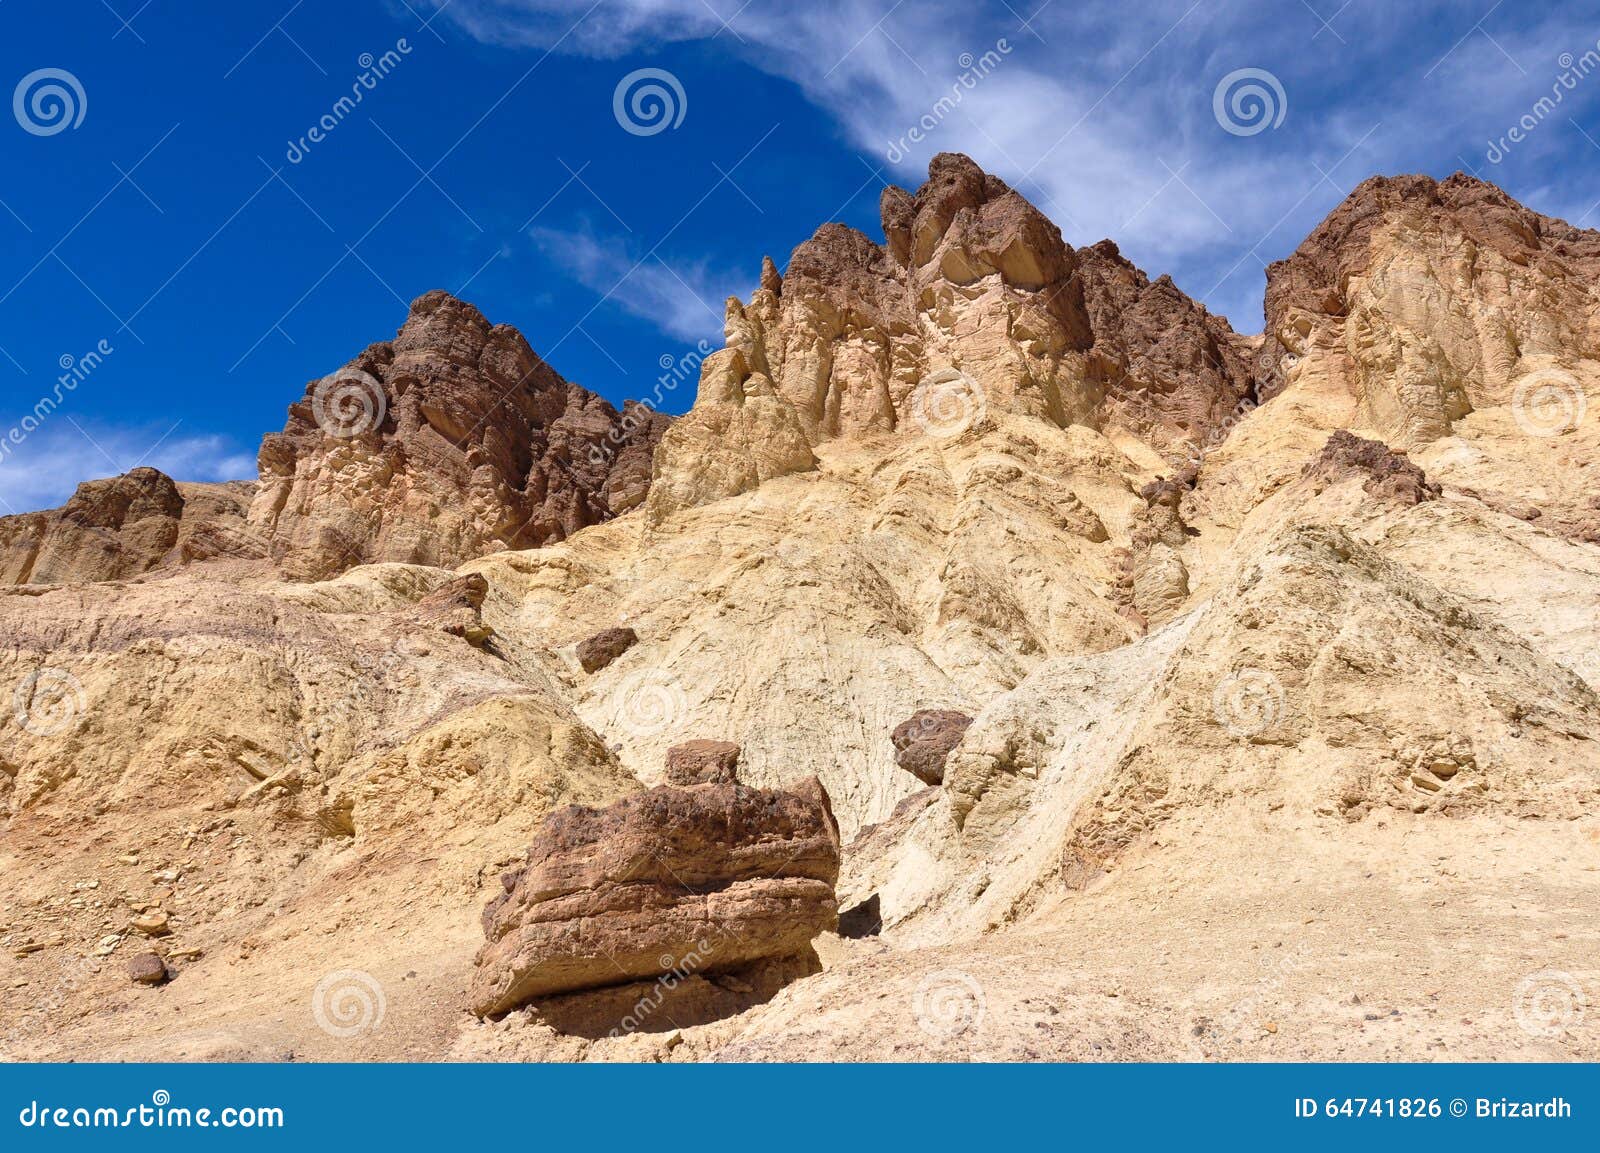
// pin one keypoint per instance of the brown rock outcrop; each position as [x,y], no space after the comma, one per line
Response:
[1435,298]
[1388,475]
[702,762]
[973,303]
[923,743]
[598,651]
[451,440]
[125,525]
[708,879]
[456,608]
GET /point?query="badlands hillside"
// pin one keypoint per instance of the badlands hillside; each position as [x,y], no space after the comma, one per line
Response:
[1069,677]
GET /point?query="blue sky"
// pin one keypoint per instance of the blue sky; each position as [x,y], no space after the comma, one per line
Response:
[187,221]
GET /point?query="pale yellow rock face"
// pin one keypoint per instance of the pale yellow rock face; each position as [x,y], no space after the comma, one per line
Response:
[1255,740]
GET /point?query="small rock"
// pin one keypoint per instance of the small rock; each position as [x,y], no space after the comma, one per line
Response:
[147,969]
[152,923]
[702,762]
[604,647]
[923,743]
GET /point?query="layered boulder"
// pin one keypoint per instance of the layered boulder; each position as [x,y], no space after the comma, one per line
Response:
[714,879]
[702,762]
[452,440]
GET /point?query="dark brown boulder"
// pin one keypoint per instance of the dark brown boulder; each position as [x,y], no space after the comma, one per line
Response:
[702,762]
[704,880]
[604,647]
[924,742]
[147,969]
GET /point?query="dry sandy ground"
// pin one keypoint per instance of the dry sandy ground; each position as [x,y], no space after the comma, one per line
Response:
[1232,938]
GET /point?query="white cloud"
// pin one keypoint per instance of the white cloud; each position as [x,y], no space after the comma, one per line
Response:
[1101,112]
[49,464]
[684,300]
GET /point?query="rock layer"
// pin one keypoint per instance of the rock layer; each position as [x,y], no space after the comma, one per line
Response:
[711,878]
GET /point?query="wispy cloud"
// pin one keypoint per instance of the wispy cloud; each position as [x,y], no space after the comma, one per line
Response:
[1102,111]
[683,300]
[43,471]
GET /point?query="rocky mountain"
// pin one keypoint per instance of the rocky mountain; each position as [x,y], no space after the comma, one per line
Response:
[452,440]
[447,442]
[123,526]
[1008,661]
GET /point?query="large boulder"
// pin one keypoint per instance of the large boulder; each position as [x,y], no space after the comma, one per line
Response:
[712,879]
